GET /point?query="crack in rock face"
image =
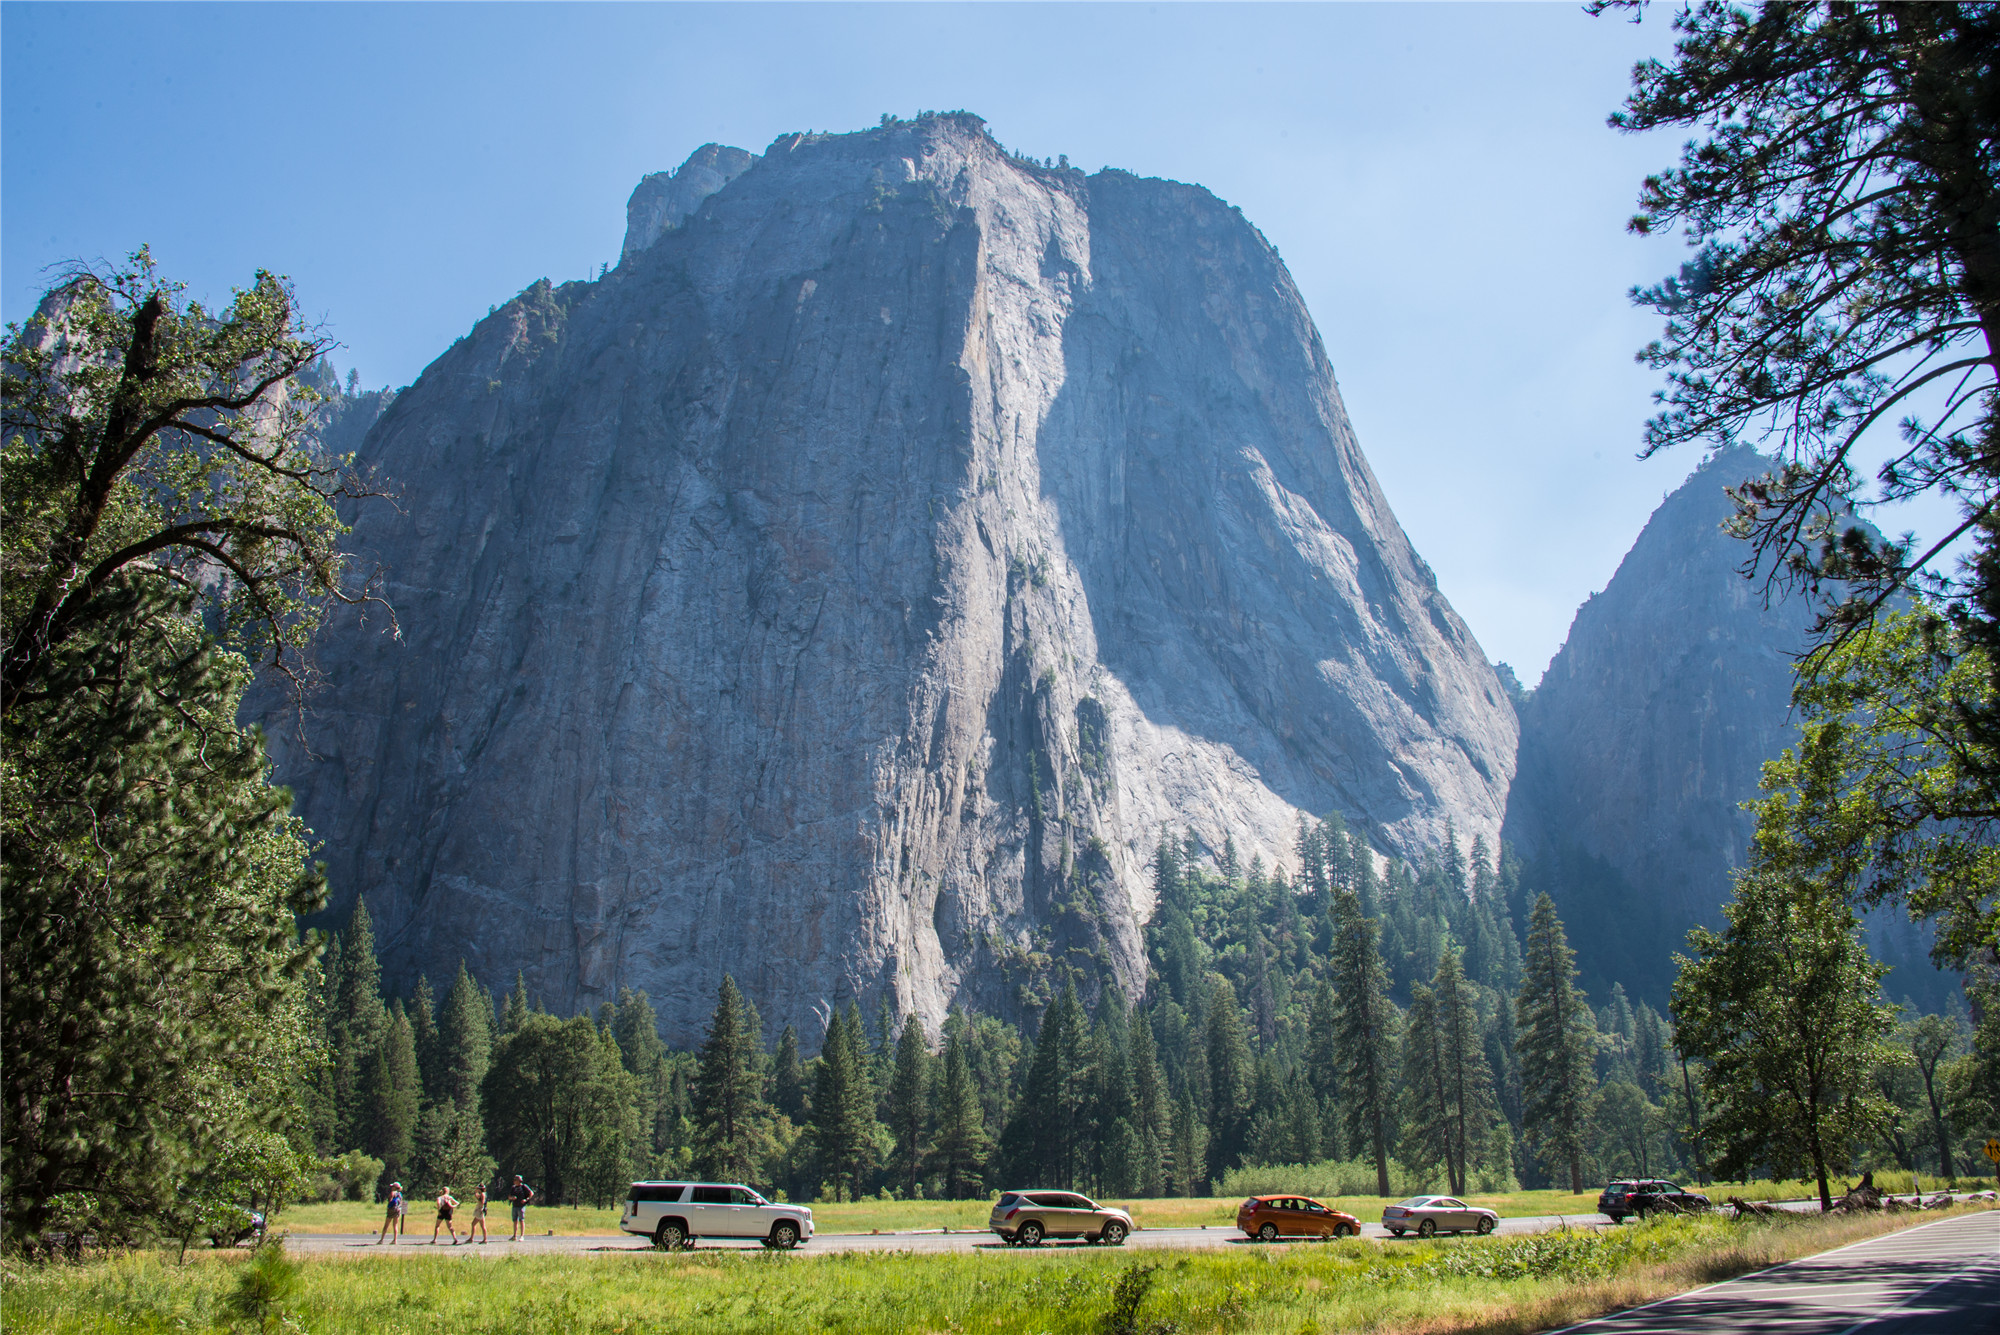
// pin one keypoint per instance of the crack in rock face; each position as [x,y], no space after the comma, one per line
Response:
[848,590]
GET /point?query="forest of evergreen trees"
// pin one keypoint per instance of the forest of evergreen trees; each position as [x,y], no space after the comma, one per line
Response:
[1383,1027]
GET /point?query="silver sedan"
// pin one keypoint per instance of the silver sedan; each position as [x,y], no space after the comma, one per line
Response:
[1429,1214]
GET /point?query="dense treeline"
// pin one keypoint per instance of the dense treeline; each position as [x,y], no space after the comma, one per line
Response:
[1396,1027]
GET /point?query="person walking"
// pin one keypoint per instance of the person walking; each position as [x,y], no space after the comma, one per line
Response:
[445,1206]
[518,1197]
[478,1220]
[392,1222]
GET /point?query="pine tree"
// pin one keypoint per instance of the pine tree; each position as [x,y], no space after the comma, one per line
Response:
[516,1012]
[636,1030]
[909,1111]
[396,1097]
[1189,1149]
[1557,1044]
[1043,1140]
[1231,1080]
[727,1096]
[1469,1082]
[1322,1062]
[422,1010]
[959,1154]
[1364,1033]
[356,1030]
[1427,1120]
[788,1077]
[843,1111]
[465,1042]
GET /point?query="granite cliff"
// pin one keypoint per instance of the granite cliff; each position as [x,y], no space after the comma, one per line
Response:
[847,589]
[1648,733]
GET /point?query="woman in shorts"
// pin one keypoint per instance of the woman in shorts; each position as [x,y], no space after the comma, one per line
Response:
[478,1216]
[393,1221]
[445,1206]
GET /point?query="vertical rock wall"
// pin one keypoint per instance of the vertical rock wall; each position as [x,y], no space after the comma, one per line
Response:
[847,590]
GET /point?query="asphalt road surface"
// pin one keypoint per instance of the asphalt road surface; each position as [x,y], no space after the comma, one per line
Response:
[929,1241]
[1934,1279]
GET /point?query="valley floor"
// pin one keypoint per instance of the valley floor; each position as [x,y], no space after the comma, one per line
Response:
[1502,1284]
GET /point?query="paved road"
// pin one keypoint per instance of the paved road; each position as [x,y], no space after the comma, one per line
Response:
[1217,1236]
[1934,1279]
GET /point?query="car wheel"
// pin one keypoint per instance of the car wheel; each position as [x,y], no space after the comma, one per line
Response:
[1268,1233]
[670,1238]
[1113,1234]
[1030,1234]
[785,1236]
[1427,1229]
[1485,1225]
[1343,1231]
[1397,1232]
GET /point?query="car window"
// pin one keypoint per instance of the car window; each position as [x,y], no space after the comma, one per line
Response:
[1048,1200]
[1007,1200]
[744,1196]
[1450,1204]
[1315,1207]
[711,1196]
[1081,1203]
[644,1191]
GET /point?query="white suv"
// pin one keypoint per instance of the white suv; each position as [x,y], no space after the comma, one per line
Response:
[674,1214]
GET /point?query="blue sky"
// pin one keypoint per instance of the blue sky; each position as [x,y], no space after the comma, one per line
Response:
[1438,177]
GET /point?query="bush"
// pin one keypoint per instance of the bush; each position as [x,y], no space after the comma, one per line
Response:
[1327,1178]
[345,1177]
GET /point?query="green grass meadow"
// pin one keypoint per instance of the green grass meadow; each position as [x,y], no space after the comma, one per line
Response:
[1488,1285]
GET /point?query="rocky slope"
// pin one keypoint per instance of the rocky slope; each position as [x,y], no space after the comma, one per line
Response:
[847,590]
[1648,733]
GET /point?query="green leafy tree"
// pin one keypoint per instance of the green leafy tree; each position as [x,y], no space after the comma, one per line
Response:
[1931,1040]
[147,438]
[557,1103]
[1844,203]
[1557,1047]
[1365,1035]
[1785,1002]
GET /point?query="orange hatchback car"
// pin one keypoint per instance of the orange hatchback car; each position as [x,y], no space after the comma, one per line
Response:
[1268,1218]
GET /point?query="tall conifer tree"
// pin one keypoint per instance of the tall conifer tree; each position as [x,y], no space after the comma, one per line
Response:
[1557,1047]
[1231,1081]
[909,1111]
[727,1093]
[960,1152]
[1364,1033]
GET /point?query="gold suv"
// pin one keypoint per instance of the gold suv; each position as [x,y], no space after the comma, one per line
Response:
[1024,1218]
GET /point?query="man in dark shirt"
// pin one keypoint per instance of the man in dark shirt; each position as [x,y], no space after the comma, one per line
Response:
[519,1196]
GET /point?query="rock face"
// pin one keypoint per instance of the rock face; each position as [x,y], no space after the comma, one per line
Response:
[847,590]
[664,200]
[1648,733]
